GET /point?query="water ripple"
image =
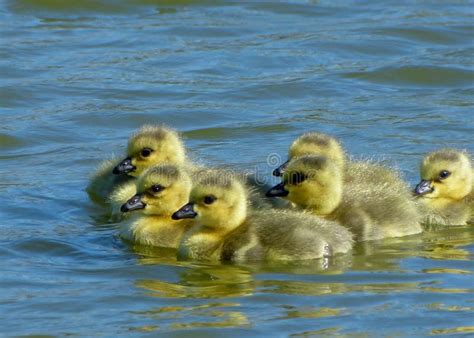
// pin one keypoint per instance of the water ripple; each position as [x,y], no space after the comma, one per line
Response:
[417,76]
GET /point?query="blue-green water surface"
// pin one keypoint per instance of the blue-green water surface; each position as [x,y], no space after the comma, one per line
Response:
[240,79]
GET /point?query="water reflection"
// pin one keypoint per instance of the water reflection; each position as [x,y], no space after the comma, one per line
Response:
[223,281]
[441,243]
[321,289]
[447,243]
[385,255]
[206,315]
[331,331]
[374,268]
[462,330]
[309,312]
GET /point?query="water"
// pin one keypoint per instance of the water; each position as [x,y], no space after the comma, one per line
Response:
[240,80]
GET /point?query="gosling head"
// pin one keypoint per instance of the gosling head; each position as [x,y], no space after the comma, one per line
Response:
[446,173]
[314,143]
[217,201]
[160,191]
[311,182]
[149,146]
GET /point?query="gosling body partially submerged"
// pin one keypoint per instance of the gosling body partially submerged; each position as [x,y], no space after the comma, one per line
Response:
[355,172]
[371,212]
[160,191]
[225,228]
[446,188]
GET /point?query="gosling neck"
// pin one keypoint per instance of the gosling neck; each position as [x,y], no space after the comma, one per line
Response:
[327,203]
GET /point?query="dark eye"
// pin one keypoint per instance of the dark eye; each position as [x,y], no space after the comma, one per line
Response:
[209,199]
[444,174]
[157,188]
[146,152]
[297,178]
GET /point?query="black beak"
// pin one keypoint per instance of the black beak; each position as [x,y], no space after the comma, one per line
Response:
[277,191]
[186,211]
[423,188]
[279,171]
[125,166]
[133,203]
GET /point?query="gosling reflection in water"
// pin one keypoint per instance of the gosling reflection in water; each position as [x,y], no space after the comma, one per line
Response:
[210,315]
[217,288]
[204,281]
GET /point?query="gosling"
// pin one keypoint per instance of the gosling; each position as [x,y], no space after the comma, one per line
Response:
[446,188]
[160,191]
[370,212]
[225,229]
[151,145]
[359,172]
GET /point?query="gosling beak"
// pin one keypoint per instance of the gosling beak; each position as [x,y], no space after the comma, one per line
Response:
[277,191]
[279,171]
[186,211]
[133,203]
[125,166]
[423,188]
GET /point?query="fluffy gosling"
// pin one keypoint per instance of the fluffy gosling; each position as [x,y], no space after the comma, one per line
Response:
[160,191]
[225,229]
[359,172]
[371,212]
[151,145]
[446,188]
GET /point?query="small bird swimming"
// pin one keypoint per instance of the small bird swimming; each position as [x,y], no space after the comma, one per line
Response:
[227,229]
[160,190]
[316,184]
[151,145]
[446,188]
[355,172]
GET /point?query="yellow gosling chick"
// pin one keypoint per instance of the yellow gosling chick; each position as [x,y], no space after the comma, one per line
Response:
[160,191]
[446,188]
[316,184]
[360,172]
[150,145]
[225,228]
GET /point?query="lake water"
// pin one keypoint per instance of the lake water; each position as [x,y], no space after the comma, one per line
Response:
[241,80]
